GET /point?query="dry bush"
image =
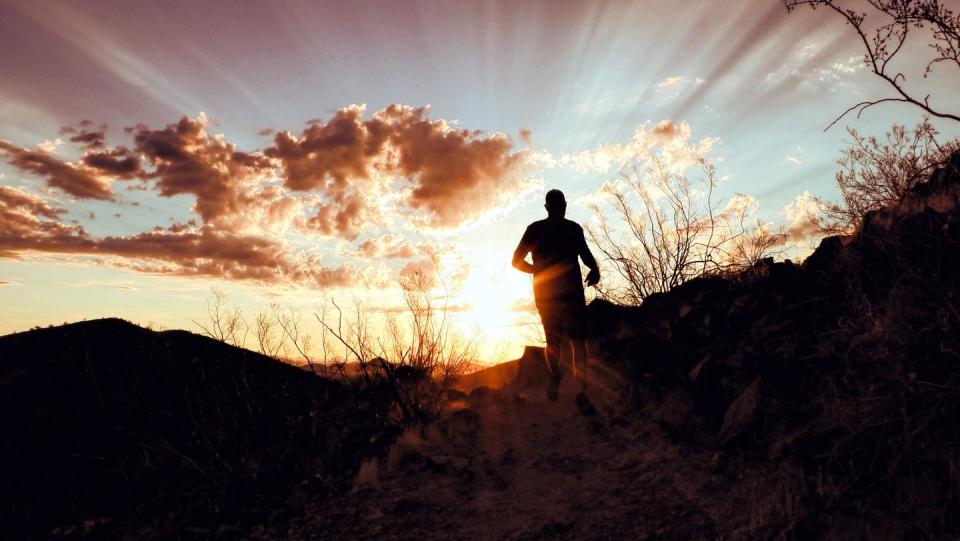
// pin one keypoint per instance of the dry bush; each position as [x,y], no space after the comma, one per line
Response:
[225,322]
[418,357]
[877,173]
[673,230]
[270,342]
[291,329]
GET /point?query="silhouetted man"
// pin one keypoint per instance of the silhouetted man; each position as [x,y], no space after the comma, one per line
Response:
[555,244]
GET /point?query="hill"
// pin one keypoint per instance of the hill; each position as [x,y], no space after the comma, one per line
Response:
[843,371]
[111,428]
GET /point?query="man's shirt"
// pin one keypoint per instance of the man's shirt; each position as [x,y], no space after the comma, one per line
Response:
[555,245]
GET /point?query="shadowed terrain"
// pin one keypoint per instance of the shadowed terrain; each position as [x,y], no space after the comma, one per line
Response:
[109,428]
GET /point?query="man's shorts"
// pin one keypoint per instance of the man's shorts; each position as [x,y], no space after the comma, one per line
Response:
[563,318]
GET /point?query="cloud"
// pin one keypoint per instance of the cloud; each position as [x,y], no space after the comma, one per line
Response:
[89,136]
[49,146]
[422,272]
[455,175]
[341,177]
[187,160]
[793,159]
[77,180]
[27,223]
[116,284]
[802,213]
[330,155]
[667,141]
[346,218]
[525,134]
[740,204]
[16,199]
[671,82]
[672,86]
[25,218]
[389,246]
[446,176]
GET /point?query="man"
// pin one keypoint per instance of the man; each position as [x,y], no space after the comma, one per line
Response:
[555,245]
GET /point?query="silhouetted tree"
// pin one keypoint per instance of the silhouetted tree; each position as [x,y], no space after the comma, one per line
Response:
[885,39]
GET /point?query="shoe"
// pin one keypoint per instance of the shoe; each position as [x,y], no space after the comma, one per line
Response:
[553,387]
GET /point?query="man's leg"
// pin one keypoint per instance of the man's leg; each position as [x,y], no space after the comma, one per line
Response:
[581,369]
[554,354]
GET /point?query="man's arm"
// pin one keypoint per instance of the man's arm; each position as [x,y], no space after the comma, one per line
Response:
[593,277]
[520,255]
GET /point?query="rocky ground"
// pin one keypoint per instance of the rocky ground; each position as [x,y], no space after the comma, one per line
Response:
[515,466]
[505,464]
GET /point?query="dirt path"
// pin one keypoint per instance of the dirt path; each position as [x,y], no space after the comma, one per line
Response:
[513,466]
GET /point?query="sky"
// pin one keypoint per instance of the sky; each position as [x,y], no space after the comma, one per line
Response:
[303,152]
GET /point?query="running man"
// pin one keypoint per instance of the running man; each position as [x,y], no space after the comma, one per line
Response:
[555,244]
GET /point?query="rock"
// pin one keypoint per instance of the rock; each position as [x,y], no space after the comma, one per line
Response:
[741,413]
[532,370]
[461,425]
[278,517]
[452,395]
[454,464]
[480,395]
[406,505]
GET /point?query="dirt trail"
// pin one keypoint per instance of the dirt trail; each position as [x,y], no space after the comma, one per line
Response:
[515,466]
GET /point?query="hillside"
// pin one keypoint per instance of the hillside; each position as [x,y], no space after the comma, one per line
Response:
[843,371]
[112,428]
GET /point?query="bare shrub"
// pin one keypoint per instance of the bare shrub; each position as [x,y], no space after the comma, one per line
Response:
[419,355]
[269,342]
[876,173]
[292,332]
[225,322]
[674,230]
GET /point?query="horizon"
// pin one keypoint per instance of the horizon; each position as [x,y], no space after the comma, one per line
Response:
[304,153]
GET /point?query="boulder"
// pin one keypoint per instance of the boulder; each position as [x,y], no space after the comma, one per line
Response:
[741,413]
[532,370]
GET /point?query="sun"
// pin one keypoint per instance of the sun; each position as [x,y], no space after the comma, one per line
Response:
[488,304]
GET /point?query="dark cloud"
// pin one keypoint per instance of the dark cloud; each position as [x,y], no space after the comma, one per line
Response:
[14,199]
[330,155]
[456,174]
[453,175]
[77,180]
[27,223]
[119,163]
[86,134]
[186,160]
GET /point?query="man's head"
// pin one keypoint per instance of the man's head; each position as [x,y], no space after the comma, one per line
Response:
[556,204]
